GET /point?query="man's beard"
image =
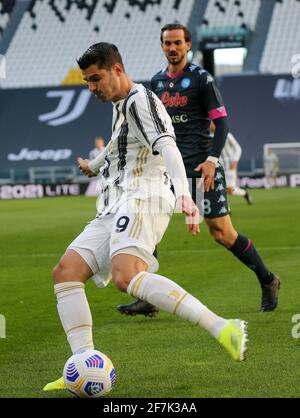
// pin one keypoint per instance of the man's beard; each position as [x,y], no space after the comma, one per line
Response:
[101,98]
[177,61]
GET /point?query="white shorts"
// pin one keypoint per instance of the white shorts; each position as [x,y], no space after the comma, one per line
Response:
[231,178]
[132,230]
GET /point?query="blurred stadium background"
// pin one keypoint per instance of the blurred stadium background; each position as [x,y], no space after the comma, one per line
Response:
[48,118]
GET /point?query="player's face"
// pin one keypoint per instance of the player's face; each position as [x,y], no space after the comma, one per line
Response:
[175,46]
[103,83]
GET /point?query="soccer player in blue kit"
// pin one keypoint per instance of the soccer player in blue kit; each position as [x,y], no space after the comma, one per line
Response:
[193,100]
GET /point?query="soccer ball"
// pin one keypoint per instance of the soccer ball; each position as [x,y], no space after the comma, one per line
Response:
[89,374]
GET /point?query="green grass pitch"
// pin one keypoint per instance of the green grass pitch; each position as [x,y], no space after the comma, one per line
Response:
[164,356]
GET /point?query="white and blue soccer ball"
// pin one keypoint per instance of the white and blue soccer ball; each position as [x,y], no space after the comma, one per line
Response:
[89,374]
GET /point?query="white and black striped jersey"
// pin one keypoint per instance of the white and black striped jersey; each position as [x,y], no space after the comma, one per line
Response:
[131,162]
[232,151]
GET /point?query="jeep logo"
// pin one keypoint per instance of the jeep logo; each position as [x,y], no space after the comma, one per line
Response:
[46,155]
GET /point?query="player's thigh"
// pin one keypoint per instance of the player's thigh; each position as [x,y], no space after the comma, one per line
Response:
[268,172]
[213,204]
[137,230]
[93,245]
[71,267]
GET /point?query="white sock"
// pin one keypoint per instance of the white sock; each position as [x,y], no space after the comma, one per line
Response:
[170,297]
[238,192]
[75,315]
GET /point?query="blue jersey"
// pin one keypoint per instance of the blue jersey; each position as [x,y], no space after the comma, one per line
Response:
[192,99]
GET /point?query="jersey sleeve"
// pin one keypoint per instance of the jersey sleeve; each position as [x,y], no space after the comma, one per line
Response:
[211,96]
[99,160]
[149,119]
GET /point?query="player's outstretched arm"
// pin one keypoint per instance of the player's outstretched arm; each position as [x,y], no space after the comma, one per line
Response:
[186,205]
[174,164]
[208,168]
[83,166]
[92,167]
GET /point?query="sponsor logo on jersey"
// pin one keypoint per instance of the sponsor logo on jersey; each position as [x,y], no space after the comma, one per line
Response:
[185,83]
[45,155]
[173,101]
[180,119]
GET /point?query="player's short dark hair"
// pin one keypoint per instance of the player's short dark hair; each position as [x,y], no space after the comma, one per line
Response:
[173,26]
[103,54]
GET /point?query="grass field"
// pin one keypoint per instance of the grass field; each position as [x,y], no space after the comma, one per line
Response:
[165,356]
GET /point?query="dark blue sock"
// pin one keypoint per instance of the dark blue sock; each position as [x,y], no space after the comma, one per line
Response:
[247,254]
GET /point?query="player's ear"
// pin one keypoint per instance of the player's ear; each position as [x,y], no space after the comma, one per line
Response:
[118,69]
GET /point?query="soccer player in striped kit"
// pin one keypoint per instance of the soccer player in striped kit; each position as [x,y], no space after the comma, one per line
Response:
[134,209]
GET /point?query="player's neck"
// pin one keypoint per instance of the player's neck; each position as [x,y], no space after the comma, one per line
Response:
[126,86]
[177,68]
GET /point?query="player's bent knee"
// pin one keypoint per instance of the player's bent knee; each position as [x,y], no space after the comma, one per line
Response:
[125,268]
[220,241]
[121,284]
[225,239]
[219,237]
[57,273]
[60,273]
[121,277]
